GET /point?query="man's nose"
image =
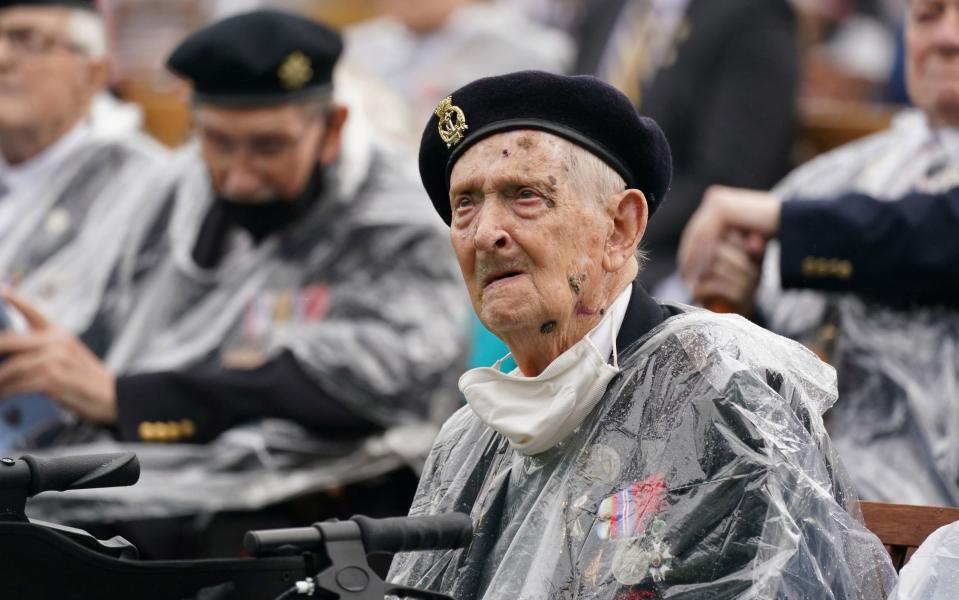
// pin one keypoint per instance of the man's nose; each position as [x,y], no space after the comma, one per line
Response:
[240,180]
[946,33]
[493,228]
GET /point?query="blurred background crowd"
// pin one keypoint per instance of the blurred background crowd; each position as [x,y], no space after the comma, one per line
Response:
[746,91]
[798,77]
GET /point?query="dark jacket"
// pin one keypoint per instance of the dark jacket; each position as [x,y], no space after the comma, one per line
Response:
[903,252]
[726,104]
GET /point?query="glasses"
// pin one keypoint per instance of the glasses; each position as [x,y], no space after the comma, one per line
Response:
[261,148]
[29,41]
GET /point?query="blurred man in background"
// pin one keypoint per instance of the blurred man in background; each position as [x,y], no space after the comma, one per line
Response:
[66,167]
[290,284]
[287,276]
[422,49]
[896,421]
[721,78]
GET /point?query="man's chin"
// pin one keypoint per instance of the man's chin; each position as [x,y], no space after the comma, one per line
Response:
[13,115]
[947,108]
[502,317]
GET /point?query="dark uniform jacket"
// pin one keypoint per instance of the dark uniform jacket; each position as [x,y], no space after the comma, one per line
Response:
[726,104]
[905,251]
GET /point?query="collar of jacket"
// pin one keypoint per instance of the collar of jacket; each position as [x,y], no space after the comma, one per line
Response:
[642,315]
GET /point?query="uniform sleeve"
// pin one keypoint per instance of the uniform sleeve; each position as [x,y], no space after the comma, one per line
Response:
[901,252]
[196,405]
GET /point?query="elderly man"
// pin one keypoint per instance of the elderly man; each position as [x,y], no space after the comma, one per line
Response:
[896,421]
[290,273]
[639,450]
[66,169]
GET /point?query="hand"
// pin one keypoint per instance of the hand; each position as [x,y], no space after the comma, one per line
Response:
[730,282]
[49,360]
[724,209]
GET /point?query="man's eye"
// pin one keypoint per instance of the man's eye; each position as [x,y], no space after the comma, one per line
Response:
[528,193]
[26,38]
[462,202]
[926,14]
[220,143]
[269,147]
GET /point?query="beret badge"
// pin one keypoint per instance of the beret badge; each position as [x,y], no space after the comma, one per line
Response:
[452,122]
[296,71]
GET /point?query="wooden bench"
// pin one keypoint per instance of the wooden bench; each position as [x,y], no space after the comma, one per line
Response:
[902,527]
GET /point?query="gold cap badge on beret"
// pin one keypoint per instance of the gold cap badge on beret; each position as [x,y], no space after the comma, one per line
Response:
[296,71]
[452,122]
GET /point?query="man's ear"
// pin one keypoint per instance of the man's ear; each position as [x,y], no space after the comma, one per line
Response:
[99,75]
[629,213]
[334,135]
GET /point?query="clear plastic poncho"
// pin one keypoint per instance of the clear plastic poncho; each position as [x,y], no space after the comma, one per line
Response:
[705,472]
[247,468]
[896,423]
[61,250]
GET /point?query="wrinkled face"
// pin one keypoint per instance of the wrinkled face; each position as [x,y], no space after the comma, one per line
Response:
[257,155]
[530,249]
[44,79]
[932,58]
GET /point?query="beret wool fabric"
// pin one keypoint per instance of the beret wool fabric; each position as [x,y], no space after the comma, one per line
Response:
[259,58]
[581,109]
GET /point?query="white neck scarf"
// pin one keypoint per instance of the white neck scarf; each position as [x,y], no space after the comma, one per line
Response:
[536,413]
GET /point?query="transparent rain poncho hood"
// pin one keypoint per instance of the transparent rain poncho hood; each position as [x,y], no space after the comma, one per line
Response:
[896,424]
[705,471]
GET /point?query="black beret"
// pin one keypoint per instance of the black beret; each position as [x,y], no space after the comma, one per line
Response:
[259,58]
[84,4]
[582,109]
